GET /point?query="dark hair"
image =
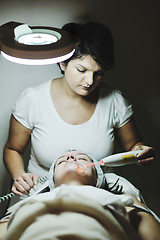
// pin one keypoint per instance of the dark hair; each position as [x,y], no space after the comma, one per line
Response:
[95,39]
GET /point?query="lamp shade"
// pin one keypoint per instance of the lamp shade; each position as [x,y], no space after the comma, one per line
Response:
[37,45]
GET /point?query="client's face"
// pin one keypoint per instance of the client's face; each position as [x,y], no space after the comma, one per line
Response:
[65,169]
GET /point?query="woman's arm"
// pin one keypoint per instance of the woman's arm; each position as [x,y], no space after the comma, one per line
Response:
[18,139]
[143,222]
[130,139]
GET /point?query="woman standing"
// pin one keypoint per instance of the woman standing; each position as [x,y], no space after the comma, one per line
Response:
[72,112]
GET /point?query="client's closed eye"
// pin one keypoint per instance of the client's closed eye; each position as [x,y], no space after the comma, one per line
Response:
[61,162]
[82,159]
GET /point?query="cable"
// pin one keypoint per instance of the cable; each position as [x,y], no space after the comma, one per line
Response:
[6,197]
[10,195]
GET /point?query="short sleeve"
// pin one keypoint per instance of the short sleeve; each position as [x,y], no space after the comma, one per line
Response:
[23,108]
[122,110]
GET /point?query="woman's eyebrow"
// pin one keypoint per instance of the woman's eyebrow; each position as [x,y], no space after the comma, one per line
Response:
[79,65]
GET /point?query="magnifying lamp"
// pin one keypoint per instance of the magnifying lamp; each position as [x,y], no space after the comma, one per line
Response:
[38,45]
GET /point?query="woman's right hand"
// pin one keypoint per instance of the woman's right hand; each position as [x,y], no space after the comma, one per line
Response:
[24,183]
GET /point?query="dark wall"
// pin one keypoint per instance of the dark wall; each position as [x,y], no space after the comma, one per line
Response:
[135,27]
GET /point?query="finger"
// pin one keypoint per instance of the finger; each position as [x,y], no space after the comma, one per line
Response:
[146,155]
[21,182]
[15,191]
[142,155]
[35,178]
[147,161]
[18,188]
[27,178]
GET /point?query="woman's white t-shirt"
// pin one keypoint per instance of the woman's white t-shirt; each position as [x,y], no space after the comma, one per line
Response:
[51,136]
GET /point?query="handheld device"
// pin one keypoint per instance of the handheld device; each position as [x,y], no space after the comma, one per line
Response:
[121,159]
[115,160]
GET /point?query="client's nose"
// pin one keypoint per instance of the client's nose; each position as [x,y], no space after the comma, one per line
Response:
[71,158]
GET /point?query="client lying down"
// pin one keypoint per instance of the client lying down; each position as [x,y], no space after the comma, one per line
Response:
[75,208]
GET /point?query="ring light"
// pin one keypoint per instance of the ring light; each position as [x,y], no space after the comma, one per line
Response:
[35,45]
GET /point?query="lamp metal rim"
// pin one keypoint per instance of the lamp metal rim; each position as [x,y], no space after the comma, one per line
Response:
[10,46]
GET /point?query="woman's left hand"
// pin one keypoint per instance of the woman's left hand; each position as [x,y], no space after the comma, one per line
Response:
[147,155]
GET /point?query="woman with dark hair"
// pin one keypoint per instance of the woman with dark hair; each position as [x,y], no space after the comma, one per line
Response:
[74,111]
[95,40]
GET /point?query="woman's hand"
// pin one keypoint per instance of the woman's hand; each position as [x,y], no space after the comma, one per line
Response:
[147,155]
[24,183]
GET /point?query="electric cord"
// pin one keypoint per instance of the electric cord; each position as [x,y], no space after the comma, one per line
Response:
[10,195]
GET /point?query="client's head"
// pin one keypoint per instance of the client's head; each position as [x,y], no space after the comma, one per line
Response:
[63,170]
